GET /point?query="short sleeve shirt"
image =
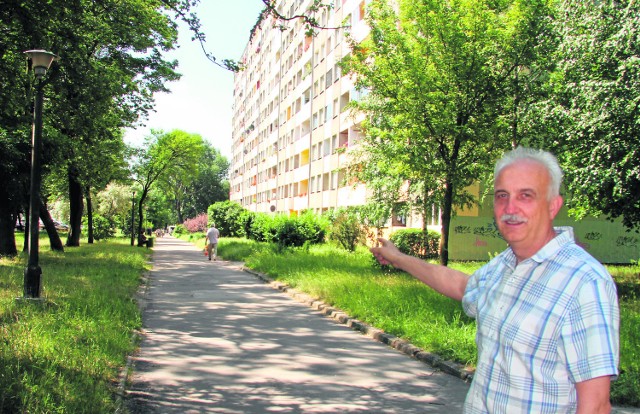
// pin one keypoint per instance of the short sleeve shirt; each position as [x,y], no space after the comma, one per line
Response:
[213,234]
[542,326]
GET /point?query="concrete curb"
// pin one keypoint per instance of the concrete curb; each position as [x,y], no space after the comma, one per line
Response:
[449,367]
[136,338]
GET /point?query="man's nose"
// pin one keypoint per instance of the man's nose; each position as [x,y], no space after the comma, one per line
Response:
[511,206]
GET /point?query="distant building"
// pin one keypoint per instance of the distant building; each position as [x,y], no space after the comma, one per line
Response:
[291,134]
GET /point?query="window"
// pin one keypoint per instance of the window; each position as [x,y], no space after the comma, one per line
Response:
[325,182]
[326,146]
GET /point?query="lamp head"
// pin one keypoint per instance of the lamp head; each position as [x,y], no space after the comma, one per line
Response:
[41,61]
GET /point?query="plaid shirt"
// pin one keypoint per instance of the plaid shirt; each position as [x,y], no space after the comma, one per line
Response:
[543,325]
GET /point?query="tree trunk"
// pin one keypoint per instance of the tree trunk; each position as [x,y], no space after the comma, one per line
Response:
[89,216]
[75,208]
[7,232]
[446,222]
[143,196]
[25,245]
[49,225]
[179,210]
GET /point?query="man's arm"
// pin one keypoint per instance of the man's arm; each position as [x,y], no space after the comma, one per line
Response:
[593,396]
[449,282]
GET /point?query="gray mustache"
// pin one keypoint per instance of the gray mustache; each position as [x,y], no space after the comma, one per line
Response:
[513,217]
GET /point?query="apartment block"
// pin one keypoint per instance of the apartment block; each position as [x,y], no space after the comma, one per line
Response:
[292,136]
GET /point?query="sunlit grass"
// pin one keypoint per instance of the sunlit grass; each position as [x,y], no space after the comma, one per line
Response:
[64,353]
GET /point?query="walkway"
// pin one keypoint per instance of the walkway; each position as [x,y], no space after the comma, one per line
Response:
[218,340]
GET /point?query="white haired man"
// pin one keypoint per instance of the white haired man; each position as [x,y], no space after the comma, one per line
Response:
[547,311]
[211,238]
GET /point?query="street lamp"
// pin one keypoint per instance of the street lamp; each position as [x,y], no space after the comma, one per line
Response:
[132,207]
[40,62]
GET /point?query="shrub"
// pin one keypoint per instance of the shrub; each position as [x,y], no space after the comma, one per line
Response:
[261,228]
[180,229]
[347,230]
[286,231]
[229,218]
[102,229]
[196,224]
[418,243]
[313,226]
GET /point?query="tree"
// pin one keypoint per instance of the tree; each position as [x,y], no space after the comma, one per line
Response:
[114,204]
[434,76]
[165,152]
[211,184]
[592,117]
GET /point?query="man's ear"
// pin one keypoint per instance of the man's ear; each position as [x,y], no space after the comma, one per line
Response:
[554,206]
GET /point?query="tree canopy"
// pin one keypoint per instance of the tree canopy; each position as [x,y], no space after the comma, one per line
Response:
[591,117]
[165,155]
[435,77]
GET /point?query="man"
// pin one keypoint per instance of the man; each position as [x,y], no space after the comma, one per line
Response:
[212,242]
[547,312]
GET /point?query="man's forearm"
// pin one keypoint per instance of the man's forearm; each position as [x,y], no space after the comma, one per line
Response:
[449,282]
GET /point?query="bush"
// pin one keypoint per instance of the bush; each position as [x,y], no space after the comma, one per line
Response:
[102,229]
[314,227]
[180,229]
[261,228]
[417,243]
[196,224]
[287,231]
[229,217]
[347,230]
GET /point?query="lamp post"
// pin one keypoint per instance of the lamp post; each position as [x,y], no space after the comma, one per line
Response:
[40,61]
[132,215]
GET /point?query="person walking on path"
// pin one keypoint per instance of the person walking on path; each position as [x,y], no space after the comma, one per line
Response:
[547,312]
[212,241]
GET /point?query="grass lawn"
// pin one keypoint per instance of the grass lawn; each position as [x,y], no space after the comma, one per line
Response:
[404,307]
[63,354]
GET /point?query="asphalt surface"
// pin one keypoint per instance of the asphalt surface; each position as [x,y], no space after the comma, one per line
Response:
[219,340]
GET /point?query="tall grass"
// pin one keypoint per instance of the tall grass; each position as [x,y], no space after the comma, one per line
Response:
[402,306]
[62,354]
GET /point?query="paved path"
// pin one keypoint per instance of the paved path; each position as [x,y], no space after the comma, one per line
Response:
[218,340]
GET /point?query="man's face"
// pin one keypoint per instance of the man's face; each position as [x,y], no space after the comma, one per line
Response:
[522,209]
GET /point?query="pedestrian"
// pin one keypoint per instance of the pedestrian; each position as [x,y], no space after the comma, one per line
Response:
[546,311]
[212,241]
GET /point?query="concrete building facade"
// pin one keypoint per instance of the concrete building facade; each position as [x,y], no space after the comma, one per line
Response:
[292,136]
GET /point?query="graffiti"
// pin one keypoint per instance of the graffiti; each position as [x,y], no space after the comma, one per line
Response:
[594,235]
[490,230]
[479,243]
[462,229]
[624,241]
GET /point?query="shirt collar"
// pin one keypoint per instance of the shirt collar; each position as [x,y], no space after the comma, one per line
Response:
[564,235]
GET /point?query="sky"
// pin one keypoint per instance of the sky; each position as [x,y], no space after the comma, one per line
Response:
[201,101]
